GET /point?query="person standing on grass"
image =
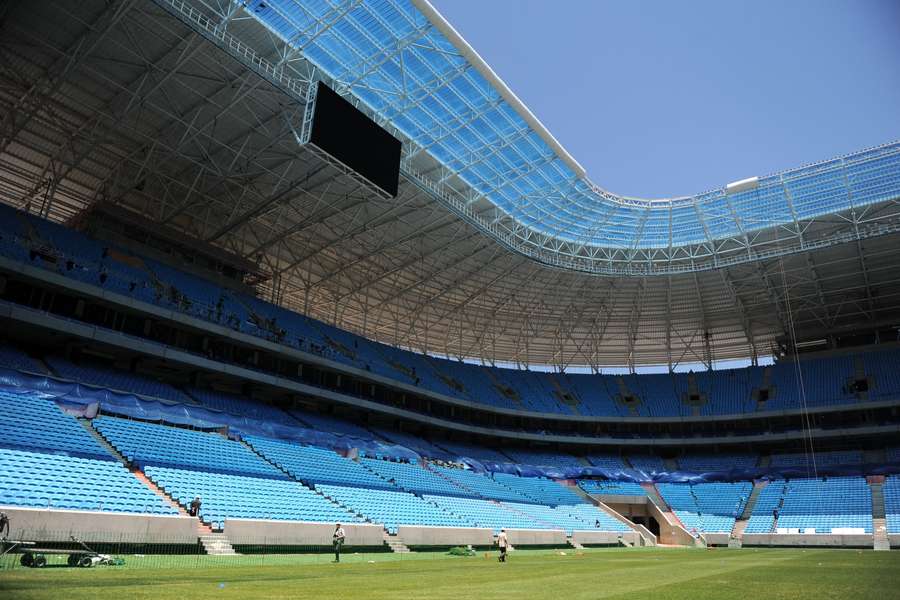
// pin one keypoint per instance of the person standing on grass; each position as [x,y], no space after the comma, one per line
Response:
[503,543]
[337,539]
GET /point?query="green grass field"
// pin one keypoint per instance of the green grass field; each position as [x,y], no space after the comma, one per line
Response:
[662,574]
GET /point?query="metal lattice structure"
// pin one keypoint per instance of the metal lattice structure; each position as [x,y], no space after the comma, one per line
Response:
[497,247]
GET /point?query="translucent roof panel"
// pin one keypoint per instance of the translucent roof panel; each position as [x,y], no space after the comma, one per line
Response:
[408,70]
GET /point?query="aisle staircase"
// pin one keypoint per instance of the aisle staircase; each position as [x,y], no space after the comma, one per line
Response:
[394,542]
[736,539]
[879,523]
[214,543]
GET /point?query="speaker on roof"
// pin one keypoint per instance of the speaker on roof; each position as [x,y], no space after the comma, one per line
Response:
[351,138]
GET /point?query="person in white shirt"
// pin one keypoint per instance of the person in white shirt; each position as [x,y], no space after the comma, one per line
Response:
[337,539]
[503,543]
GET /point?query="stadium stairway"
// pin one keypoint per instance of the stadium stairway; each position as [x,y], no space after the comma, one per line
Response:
[736,539]
[671,529]
[648,537]
[879,523]
[86,423]
[138,474]
[216,543]
[395,543]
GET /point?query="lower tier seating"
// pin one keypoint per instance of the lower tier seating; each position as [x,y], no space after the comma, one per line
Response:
[39,480]
[29,421]
[825,505]
[539,489]
[892,503]
[391,508]
[160,445]
[239,497]
[315,465]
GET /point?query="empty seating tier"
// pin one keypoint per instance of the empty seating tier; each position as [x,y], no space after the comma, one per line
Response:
[239,497]
[315,465]
[612,488]
[539,489]
[38,480]
[32,421]
[391,508]
[414,478]
[826,505]
[159,445]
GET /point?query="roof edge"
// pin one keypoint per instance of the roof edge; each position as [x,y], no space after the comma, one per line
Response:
[469,53]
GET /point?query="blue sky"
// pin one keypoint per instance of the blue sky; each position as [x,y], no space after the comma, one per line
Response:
[661,98]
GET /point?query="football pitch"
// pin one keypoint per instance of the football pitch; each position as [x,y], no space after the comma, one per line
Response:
[590,574]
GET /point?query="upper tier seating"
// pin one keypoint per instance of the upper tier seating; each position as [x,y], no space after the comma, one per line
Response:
[414,478]
[607,461]
[391,508]
[12,358]
[239,405]
[539,489]
[331,424]
[31,421]
[160,445]
[612,488]
[838,502]
[112,379]
[46,245]
[315,465]
[462,449]
[411,441]
[647,462]
[544,458]
[39,480]
[706,507]
[892,503]
[822,459]
[483,485]
[703,463]
[239,497]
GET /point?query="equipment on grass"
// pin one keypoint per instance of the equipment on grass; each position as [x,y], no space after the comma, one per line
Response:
[35,557]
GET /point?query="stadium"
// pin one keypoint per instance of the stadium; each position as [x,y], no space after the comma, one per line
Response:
[289,283]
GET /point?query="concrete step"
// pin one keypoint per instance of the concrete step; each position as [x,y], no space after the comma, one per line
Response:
[394,542]
[880,536]
[574,544]
[217,544]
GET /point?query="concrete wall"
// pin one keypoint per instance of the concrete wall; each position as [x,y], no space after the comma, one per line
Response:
[812,539]
[536,537]
[94,526]
[297,533]
[894,540]
[413,535]
[717,539]
[613,499]
[590,537]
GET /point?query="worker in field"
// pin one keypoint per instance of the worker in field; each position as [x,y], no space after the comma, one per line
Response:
[337,539]
[503,544]
[195,507]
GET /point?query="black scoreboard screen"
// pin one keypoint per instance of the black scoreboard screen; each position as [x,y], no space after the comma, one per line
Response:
[348,135]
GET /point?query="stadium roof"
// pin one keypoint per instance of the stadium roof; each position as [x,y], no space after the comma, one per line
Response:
[186,111]
[407,64]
